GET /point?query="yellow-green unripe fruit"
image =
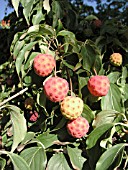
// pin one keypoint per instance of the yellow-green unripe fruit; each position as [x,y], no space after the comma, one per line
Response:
[71,107]
[116,59]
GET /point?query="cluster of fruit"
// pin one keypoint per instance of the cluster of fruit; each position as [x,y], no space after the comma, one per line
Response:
[57,88]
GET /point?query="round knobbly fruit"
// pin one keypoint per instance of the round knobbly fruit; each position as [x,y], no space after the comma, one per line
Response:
[78,128]
[43,64]
[56,89]
[33,116]
[116,59]
[98,85]
[97,23]
[71,107]
[29,102]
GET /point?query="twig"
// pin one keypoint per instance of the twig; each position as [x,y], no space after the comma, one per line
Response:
[14,96]
[55,64]
[70,82]
[95,71]
[58,150]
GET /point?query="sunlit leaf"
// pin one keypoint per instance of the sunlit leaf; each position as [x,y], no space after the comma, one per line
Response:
[47,139]
[108,157]
[91,57]
[18,162]
[46,5]
[15,4]
[112,99]
[105,116]
[96,134]
[75,154]
[18,124]
[35,157]
[58,161]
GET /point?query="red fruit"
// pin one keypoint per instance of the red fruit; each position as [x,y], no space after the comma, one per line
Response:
[43,64]
[78,127]
[98,85]
[33,116]
[56,89]
[97,23]
[71,107]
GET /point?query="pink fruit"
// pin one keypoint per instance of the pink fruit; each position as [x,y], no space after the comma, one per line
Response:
[33,116]
[43,64]
[98,85]
[56,89]
[78,128]
[71,107]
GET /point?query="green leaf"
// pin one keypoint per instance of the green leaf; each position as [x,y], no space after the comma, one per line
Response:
[112,99]
[82,83]
[59,162]
[46,6]
[17,48]
[18,162]
[47,30]
[38,15]
[91,57]
[47,139]
[15,40]
[68,65]
[75,154]
[29,62]
[18,124]
[105,116]
[29,136]
[57,12]
[2,163]
[33,29]
[96,134]
[41,100]
[107,142]
[126,92]
[113,77]
[35,158]
[28,5]
[88,113]
[91,17]
[66,33]
[21,56]
[15,4]
[108,157]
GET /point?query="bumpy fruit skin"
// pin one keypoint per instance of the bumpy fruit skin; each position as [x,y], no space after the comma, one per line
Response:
[116,59]
[78,128]
[56,89]
[71,107]
[29,102]
[43,64]
[33,116]
[98,85]
[97,23]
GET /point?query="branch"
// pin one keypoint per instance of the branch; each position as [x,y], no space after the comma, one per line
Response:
[14,96]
